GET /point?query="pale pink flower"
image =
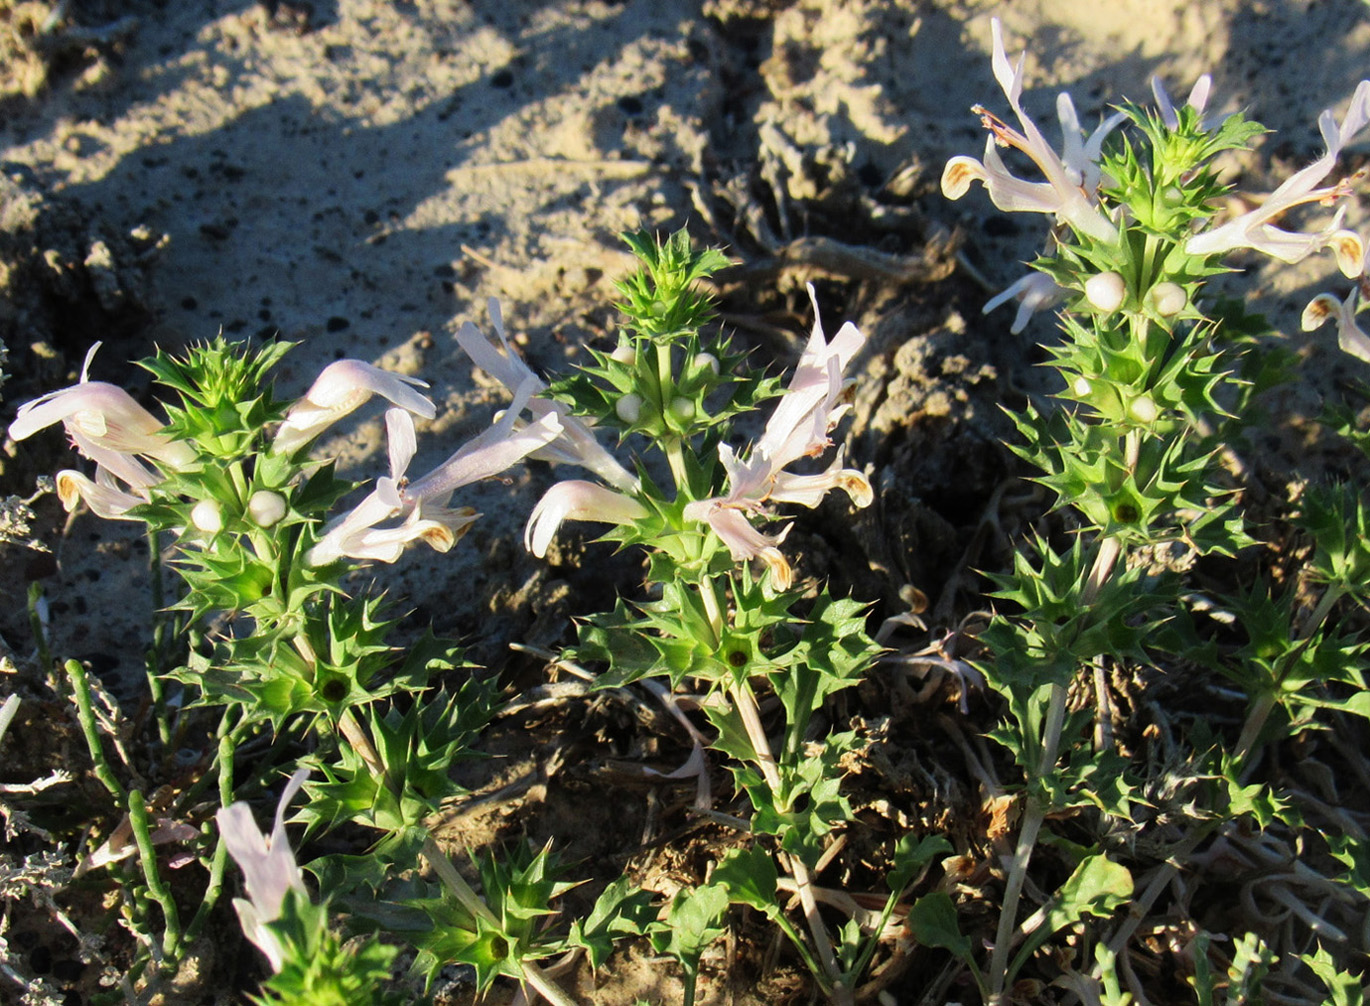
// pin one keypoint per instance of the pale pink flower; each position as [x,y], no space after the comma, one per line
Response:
[101,416]
[577,500]
[268,865]
[423,506]
[798,427]
[1034,292]
[341,388]
[1198,100]
[1072,177]
[577,444]
[1255,229]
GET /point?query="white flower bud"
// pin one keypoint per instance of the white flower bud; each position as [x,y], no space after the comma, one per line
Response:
[1106,291]
[1167,299]
[703,360]
[1081,387]
[629,408]
[1143,409]
[206,517]
[624,354]
[682,408]
[266,507]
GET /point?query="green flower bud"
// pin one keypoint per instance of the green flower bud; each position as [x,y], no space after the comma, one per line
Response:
[682,408]
[1143,409]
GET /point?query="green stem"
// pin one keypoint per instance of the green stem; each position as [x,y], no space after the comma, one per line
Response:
[745,704]
[712,608]
[147,857]
[225,732]
[239,480]
[155,657]
[674,449]
[85,712]
[1265,704]
[792,934]
[228,743]
[1034,814]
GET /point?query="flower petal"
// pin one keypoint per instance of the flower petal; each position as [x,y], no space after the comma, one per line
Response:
[104,501]
[268,865]
[341,388]
[503,444]
[576,500]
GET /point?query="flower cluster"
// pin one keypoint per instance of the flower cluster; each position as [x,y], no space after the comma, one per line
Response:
[110,428]
[799,426]
[1255,229]
[1072,177]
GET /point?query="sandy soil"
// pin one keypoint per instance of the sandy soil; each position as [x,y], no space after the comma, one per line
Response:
[360,176]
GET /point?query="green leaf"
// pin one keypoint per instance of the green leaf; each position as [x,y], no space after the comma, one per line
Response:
[1098,887]
[692,922]
[933,921]
[911,856]
[1343,988]
[749,876]
[621,910]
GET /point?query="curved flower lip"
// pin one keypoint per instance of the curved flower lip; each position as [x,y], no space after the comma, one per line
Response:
[1350,337]
[424,505]
[577,443]
[1255,230]
[342,387]
[576,500]
[744,542]
[104,499]
[809,490]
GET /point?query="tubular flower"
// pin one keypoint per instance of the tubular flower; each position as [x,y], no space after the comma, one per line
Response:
[104,417]
[577,500]
[341,388]
[1034,292]
[423,506]
[576,444]
[1071,177]
[798,427]
[1255,230]
[268,865]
